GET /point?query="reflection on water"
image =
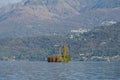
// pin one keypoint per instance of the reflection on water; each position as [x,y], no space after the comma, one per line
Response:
[59,71]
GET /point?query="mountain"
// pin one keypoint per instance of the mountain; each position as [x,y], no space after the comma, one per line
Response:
[49,17]
[101,42]
[7,2]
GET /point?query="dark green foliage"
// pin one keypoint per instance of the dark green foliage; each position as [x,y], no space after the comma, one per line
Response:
[32,48]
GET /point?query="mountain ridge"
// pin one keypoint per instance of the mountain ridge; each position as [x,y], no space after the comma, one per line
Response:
[39,17]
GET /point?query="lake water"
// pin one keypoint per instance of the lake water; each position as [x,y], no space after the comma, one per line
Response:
[59,71]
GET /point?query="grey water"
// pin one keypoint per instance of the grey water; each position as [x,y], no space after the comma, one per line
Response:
[59,71]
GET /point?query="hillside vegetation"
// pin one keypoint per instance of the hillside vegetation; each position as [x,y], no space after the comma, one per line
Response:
[102,41]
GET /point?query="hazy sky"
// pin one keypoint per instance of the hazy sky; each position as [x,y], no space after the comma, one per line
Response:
[5,2]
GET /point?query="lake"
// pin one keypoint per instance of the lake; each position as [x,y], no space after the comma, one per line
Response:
[19,70]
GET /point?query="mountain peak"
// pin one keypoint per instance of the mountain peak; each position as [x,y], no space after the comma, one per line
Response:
[36,17]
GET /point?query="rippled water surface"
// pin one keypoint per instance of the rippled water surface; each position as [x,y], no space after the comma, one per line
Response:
[59,71]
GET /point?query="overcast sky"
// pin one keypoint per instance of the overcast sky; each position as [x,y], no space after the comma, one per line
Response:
[5,2]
